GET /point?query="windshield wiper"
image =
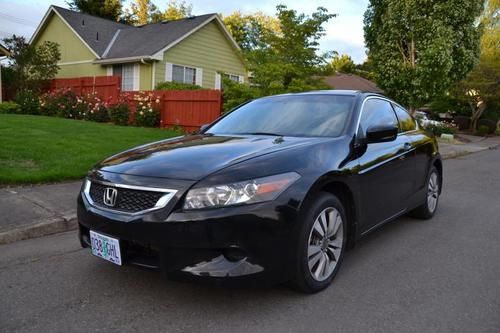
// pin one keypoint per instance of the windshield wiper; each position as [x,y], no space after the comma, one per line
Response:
[262,133]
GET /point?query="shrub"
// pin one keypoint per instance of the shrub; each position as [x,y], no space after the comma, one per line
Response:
[94,108]
[483,130]
[488,124]
[462,122]
[176,86]
[28,102]
[147,111]
[9,107]
[442,128]
[236,93]
[59,102]
[120,113]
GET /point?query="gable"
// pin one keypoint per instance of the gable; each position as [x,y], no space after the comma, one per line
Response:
[210,47]
[71,47]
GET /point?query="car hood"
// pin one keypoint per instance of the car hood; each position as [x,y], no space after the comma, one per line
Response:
[195,156]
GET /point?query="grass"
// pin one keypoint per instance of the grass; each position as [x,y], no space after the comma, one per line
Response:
[37,149]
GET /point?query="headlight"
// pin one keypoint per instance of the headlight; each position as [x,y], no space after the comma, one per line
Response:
[249,191]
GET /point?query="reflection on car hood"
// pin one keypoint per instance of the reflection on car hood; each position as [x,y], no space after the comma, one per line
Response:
[196,156]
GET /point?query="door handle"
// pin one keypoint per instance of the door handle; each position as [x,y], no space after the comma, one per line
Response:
[407,146]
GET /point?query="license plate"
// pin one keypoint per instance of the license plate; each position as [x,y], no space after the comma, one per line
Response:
[105,247]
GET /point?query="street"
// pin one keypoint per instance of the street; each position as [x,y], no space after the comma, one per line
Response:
[440,275]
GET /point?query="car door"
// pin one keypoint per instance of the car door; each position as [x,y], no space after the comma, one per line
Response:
[386,169]
[422,148]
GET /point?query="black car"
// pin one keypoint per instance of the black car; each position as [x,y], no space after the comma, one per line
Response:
[273,191]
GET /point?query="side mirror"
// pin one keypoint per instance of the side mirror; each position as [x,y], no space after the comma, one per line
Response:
[381,133]
[203,128]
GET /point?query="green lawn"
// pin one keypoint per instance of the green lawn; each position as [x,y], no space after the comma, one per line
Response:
[36,149]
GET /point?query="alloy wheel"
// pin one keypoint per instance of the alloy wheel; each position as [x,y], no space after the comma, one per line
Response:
[433,192]
[325,244]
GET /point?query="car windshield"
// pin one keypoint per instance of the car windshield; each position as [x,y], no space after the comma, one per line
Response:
[296,115]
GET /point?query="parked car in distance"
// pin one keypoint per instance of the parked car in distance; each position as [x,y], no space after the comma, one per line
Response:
[273,191]
[424,121]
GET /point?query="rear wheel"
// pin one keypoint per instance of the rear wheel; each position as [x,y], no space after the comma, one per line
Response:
[429,207]
[322,240]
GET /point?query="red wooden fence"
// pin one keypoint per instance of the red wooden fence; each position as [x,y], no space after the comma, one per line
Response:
[188,109]
[107,87]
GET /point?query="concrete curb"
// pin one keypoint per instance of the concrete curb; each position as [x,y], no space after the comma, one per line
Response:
[43,228]
[455,154]
[68,223]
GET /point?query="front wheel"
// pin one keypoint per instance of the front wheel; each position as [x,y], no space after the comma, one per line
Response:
[321,241]
[429,207]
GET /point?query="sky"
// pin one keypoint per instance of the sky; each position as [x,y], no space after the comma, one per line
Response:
[344,33]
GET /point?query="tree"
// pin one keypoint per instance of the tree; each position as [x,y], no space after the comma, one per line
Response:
[480,89]
[109,9]
[31,64]
[248,30]
[143,12]
[177,10]
[420,48]
[289,60]
[343,64]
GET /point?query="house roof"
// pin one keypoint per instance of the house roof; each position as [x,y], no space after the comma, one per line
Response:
[151,38]
[3,51]
[352,82]
[110,40]
[97,32]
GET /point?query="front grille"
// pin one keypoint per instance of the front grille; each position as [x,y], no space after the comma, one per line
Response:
[127,200]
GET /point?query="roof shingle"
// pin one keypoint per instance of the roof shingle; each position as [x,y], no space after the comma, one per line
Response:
[131,41]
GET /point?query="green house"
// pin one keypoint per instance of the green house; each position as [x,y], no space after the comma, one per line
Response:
[194,50]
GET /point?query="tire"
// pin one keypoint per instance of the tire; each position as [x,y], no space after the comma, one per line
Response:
[308,274]
[429,207]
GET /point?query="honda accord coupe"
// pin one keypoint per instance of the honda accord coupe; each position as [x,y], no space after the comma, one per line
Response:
[273,191]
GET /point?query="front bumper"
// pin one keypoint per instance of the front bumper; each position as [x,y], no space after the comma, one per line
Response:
[250,244]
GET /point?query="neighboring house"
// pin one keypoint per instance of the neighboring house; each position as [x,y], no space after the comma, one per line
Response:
[191,50]
[352,82]
[3,53]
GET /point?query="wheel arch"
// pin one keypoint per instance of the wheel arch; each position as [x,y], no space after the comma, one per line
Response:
[438,163]
[345,194]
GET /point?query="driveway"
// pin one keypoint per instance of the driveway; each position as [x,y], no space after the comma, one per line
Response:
[441,275]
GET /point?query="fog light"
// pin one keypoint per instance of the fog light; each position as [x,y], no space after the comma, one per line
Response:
[234,253]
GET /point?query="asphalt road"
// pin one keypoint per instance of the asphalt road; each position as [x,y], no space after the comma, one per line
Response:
[441,275]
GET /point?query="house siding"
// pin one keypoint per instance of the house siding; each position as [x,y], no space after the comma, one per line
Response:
[208,49]
[145,76]
[72,49]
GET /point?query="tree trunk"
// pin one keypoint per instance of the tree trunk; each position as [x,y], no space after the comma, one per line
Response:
[477,112]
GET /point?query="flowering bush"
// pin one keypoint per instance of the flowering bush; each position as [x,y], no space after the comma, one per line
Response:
[58,102]
[120,112]
[93,108]
[147,110]
[442,128]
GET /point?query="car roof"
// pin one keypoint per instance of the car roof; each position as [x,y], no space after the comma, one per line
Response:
[332,92]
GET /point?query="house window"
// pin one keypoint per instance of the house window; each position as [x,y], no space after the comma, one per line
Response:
[233,77]
[219,83]
[183,74]
[127,74]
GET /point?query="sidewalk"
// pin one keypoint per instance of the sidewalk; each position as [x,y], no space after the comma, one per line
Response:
[39,210]
[474,145]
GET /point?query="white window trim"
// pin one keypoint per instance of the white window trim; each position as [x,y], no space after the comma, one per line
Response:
[198,75]
[109,70]
[137,77]
[218,81]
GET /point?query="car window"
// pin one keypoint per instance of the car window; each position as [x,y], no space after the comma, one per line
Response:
[377,112]
[289,115]
[406,122]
